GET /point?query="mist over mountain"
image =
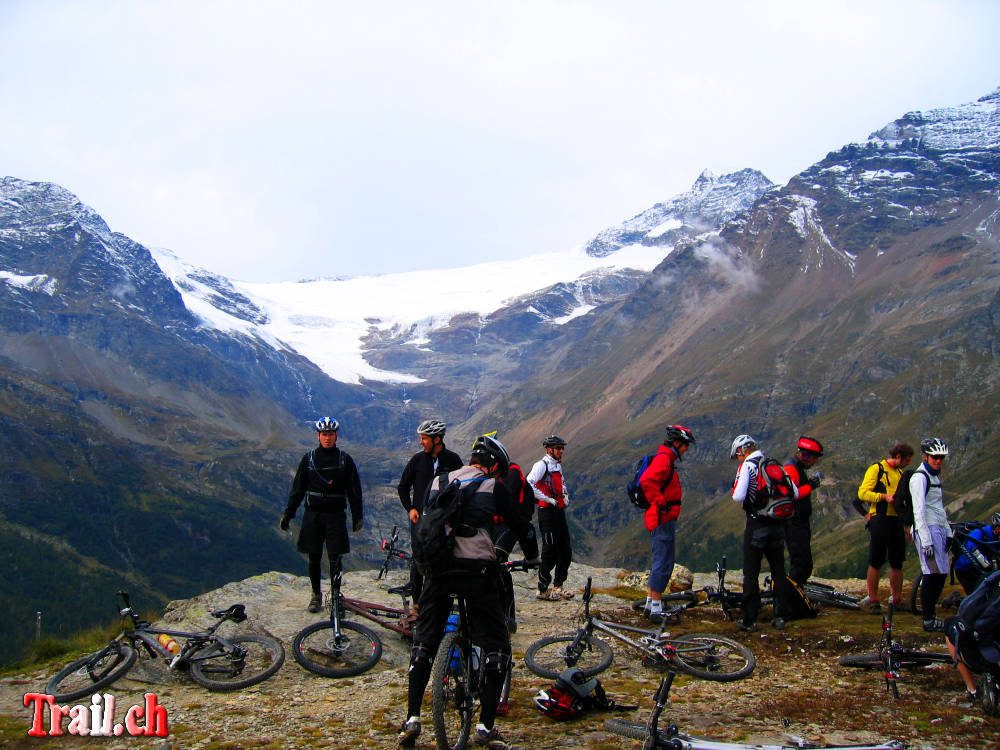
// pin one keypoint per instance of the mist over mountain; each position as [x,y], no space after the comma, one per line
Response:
[152,412]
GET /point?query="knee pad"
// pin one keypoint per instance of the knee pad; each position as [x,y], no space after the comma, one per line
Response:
[420,655]
[497,661]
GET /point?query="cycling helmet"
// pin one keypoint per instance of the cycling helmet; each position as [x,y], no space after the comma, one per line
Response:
[431,428]
[486,445]
[741,441]
[556,704]
[933,446]
[554,441]
[995,521]
[676,432]
[327,424]
[810,445]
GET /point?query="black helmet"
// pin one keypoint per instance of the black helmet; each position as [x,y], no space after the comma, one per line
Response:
[676,432]
[933,446]
[327,424]
[554,441]
[493,449]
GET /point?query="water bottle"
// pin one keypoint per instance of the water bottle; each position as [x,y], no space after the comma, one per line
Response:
[980,558]
[169,643]
[455,663]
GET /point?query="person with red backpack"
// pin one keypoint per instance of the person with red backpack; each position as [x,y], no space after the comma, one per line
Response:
[763,536]
[549,487]
[798,535]
[662,488]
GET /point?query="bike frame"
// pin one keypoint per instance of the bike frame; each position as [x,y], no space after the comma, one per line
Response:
[391,551]
[388,617]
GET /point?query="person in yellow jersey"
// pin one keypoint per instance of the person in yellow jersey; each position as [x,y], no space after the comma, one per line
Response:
[887,538]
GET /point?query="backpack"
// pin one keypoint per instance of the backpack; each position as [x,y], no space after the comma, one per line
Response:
[903,501]
[634,488]
[433,541]
[775,493]
[800,606]
[980,612]
[573,694]
[863,507]
[526,498]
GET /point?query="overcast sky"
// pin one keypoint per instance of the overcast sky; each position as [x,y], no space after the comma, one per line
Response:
[286,140]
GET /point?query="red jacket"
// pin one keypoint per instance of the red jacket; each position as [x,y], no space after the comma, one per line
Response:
[662,488]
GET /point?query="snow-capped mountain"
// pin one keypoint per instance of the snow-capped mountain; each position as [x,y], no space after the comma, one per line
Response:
[337,322]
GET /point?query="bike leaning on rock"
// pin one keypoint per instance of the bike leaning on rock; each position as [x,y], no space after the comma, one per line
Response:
[214,661]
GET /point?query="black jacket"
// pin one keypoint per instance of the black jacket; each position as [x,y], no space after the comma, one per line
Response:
[418,474]
[330,478]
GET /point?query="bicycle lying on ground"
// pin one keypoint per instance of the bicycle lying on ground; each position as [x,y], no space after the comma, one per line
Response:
[891,656]
[339,648]
[457,678]
[704,655]
[214,661]
[653,736]
[707,595]
[818,593]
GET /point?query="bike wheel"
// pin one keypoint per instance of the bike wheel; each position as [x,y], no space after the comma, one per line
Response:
[830,597]
[682,597]
[453,692]
[84,677]
[713,657]
[864,661]
[253,659]
[636,731]
[319,649]
[551,656]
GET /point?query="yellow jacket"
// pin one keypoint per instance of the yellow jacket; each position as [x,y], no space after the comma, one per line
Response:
[880,480]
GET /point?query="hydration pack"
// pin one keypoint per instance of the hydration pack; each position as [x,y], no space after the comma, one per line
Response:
[573,694]
[903,500]
[775,493]
[433,547]
[634,488]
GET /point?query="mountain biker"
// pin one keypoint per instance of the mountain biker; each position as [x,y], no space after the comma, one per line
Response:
[973,636]
[887,537]
[327,479]
[798,535]
[762,537]
[433,459]
[475,579]
[969,574]
[546,480]
[930,528]
[662,487]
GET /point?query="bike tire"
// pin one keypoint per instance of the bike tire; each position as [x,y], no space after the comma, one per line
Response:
[829,597]
[682,596]
[719,659]
[863,661]
[316,648]
[547,656]
[636,731]
[217,669]
[87,675]
[453,692]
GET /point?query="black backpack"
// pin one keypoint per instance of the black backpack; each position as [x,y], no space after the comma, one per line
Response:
[980,612]
[903,501]
[634,488]
[433,541]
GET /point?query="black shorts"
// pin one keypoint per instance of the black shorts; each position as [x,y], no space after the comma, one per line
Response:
[888,539]
[324,527]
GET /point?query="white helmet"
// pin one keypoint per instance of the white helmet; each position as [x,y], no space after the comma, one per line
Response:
[432,428]
[741,441]
[934,446]
[327,424]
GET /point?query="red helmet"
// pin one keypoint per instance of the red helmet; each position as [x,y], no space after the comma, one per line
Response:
[810,445]
[556,704]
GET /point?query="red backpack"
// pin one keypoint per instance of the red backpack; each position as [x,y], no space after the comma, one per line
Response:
[526,497]
[776,492]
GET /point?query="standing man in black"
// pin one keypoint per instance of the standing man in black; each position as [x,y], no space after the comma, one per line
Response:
[433,459]
[798,534]
[327,479]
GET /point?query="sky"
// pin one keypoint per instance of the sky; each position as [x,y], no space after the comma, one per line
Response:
[278,141]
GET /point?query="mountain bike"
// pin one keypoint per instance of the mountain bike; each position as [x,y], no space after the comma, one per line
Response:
[986,561]
[393,551]
[891,656]
[707,595]
[214,661]
[653,736]
[704,655]
[457,678]
[819,593]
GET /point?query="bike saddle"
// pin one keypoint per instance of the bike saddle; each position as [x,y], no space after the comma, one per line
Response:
[236,613]
[405,590]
